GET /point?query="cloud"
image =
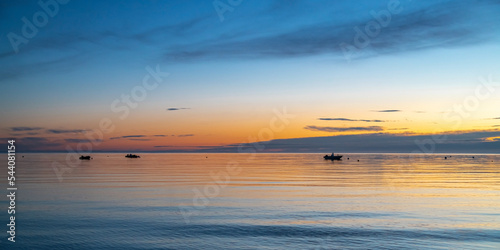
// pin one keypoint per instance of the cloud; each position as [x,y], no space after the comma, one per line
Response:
[65,131]
[186,135]
[31,144]
[71,140]
[349,120]
[343,129]
[496,118]
[133,136]
[174,109]
[421,26]
[22,129]
[418,27]
[387,110]
[15,70]
[177,29]
[398,129]
[126,137]
[461,142]
[494,138]
[75,46]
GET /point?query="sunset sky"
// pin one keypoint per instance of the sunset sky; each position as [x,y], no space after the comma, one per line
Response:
[338,69]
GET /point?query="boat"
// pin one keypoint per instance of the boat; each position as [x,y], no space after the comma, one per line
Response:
[132,156]
[86,157]
[332,157]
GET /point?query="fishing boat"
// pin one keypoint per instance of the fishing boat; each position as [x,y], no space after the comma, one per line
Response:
[86,157]
[132,156]
[332,157]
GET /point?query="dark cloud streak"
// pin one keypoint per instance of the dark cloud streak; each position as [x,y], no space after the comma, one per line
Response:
[127,137]
[185,135]
[175,109]
[387,110]
[22,129]
[470,142]
[343,129]
[349,120]
[442,24]
[65,131]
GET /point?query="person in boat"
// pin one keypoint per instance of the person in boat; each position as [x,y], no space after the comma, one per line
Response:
[132,156]
[329,156]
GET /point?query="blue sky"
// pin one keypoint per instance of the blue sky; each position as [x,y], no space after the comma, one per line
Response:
[242,64]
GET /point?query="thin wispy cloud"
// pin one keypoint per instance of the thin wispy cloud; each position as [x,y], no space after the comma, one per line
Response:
[398,129]
[343,129]
[25,133]
[182,135]
[65,131]
[133,136]
[437,25]
[23,129]
[185,135]
[175,109]
[349,120]
[127,137]
[443,24]
[387,110]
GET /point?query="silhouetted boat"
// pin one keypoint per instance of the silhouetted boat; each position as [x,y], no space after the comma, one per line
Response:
[132,156]
[332,157]
[86,157]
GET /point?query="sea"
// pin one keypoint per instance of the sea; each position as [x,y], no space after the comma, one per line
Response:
[254,201]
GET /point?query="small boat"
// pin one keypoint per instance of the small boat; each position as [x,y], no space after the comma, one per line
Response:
[132,156]
[86,157]
[332,157]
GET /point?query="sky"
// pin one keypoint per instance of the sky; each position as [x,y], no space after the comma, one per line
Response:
[222,76]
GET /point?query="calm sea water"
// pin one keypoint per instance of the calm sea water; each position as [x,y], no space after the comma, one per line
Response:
[268,201]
